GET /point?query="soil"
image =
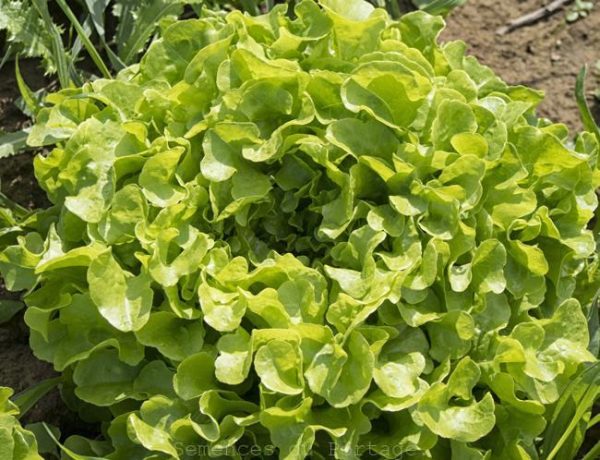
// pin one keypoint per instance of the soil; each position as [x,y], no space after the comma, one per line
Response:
[16,173]
[19,369]
[546,55]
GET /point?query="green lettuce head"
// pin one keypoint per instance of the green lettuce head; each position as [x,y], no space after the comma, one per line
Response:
[326,235]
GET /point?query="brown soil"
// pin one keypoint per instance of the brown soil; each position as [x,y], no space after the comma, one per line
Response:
[16,173]
[546,55]
[19,369]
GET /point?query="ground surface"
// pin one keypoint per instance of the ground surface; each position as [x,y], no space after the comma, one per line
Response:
[19,369]
[16,173]
[546,56]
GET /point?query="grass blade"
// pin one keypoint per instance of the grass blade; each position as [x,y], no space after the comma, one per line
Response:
[594,327]
[69,453]
[594,421]
[6,56]
[115,60]
[594,453]
[85,39]
[28,96]
[58,49]
[28,398]
[97,9]
[145,27]
[8,207]
[586,115]
[13,143]
[126,24]
[9,308]
[394,9]
[250,6]
[11,213]
[441,7]
[576,401]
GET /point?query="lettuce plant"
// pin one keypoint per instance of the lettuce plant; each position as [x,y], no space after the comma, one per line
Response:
[16,442]
[321,236]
